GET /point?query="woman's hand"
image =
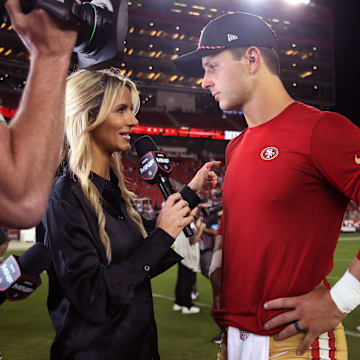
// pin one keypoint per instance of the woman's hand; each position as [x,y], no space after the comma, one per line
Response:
[204,176]
[174,216]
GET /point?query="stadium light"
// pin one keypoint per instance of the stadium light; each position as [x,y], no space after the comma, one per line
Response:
[297,2]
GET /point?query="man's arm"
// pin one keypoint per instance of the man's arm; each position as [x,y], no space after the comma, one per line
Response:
[30,146]
[316,312]
[354,268]
[210,231]
[215,271]
[335,138]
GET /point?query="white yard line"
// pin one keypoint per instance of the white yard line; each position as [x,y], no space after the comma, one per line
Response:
[173,299]
[352,333]
[333,277]
[355,238]
[15,245]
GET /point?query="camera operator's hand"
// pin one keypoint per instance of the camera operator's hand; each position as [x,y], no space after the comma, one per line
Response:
[41,33]
[204,177]
[173,216]
[30,145]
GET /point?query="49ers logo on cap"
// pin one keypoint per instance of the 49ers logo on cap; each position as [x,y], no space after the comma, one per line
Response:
[269,153]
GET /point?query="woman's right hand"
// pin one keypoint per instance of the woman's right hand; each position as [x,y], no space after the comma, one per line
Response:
[174,216]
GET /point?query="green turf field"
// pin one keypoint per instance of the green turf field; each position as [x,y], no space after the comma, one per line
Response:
[26,332]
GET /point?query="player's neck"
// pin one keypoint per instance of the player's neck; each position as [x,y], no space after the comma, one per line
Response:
[268,102]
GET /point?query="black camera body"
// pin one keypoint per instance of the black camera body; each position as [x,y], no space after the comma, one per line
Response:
[211,210]
[101,26]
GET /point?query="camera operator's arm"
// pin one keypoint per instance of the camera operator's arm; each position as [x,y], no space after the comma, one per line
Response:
[210,231]
[30,146]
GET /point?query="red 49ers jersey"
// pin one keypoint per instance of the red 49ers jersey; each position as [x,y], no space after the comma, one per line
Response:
[286,188]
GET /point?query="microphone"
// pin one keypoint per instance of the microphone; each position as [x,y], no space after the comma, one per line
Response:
[155,168]
[20,276]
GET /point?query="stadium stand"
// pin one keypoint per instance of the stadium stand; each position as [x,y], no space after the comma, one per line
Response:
[154,118]
[203,121]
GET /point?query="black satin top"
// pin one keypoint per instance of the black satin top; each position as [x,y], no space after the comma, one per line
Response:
[101,311]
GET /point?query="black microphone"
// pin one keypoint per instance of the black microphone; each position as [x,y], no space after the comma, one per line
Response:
[20,276]
[155,168]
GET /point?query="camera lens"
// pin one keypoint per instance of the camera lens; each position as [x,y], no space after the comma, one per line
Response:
[95,27]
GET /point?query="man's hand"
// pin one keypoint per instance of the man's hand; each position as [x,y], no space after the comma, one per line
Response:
[315,312]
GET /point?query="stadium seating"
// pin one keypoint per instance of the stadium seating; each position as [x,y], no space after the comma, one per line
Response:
[203,121]
[154,118]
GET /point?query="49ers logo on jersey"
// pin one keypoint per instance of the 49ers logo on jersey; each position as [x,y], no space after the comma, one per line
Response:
[269,153]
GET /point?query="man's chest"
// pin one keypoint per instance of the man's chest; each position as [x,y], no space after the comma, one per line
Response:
[271,168]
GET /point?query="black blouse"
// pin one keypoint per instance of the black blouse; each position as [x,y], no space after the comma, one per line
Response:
[102,311]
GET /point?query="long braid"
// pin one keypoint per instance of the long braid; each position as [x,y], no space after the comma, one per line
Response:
[80,162]
[92,195]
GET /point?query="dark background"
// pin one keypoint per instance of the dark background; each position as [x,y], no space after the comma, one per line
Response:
[347,59]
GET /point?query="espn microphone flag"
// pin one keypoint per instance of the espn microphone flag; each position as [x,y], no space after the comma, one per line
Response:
[19,277]
[151,160]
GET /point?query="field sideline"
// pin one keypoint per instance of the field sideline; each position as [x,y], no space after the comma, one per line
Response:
[26,332]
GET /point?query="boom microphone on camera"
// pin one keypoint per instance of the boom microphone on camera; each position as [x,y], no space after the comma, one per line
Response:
[101,26]
[20,276]
[155,168]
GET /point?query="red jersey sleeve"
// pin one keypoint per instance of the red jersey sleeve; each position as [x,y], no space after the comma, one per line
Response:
[335,150]
[358,255]
[231,147]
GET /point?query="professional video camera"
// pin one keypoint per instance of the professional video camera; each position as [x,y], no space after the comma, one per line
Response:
[101,25]
[211,210]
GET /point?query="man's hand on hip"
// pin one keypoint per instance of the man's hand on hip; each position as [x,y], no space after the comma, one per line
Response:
[314,313]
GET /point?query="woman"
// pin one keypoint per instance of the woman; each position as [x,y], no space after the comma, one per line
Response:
[100,299]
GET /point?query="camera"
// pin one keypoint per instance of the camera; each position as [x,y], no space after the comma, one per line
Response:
[101,26]
[211,210]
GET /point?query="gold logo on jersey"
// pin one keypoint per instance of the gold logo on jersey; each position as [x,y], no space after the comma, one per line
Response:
[357,159]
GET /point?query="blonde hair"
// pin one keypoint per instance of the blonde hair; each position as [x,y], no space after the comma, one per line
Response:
[90,96]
